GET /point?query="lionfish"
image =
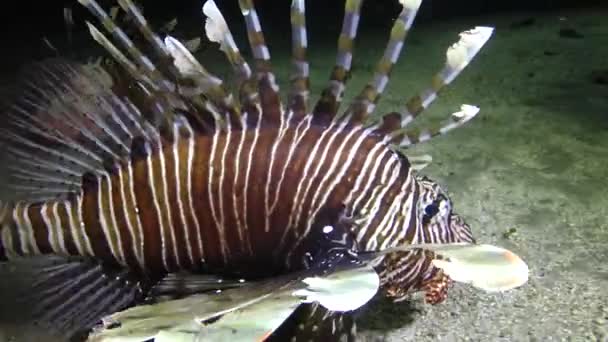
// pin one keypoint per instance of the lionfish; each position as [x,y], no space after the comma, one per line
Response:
[149,166]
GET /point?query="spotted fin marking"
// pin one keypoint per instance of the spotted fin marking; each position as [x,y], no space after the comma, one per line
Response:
[328,104]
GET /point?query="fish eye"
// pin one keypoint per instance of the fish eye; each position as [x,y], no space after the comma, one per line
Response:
[431,210]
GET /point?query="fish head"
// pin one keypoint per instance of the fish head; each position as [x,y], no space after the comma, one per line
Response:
[436,217]
[404,273]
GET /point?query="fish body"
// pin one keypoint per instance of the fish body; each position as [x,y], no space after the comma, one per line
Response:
[149,166]
[185,203]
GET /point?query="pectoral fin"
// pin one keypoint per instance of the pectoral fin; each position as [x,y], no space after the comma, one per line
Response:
[488,267]
[251,312]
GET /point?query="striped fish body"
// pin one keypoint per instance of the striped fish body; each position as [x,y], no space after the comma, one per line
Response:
[244,198]
[157,169]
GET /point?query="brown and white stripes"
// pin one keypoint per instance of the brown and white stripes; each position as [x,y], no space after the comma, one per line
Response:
[225,197]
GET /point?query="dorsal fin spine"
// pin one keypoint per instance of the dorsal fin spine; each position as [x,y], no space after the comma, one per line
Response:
[326,108]
[219,32]
[299,92]
[268,88]
[216,92]
[124,40]
[364,104]
[148,68]
[141,23]
[404,138]
[118,55]
[459,55]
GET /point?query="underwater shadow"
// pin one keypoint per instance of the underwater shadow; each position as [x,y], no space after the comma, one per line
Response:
[382,314]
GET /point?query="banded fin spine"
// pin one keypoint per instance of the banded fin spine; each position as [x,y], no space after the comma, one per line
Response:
[142,60]
[364,104]
[404,138]
[217,30]
[327,106]
[299,91]
[459,55]
[191,79]
[268,89]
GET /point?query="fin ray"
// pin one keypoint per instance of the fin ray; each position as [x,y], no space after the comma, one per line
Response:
[268,89]
[313,322]
[69,295]
[404,138]
[327,106]
[299,91]
[364,104]
[458,56]
[76,126]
